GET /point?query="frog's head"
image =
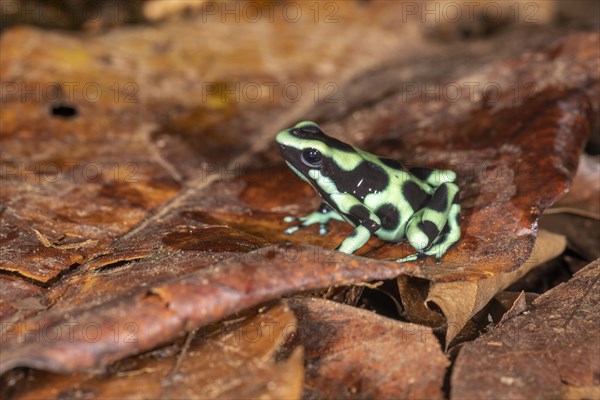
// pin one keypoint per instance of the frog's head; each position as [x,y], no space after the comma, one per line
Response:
[310,152]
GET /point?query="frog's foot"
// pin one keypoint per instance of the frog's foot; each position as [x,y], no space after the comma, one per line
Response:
[321,217]
[412,257]
[438,245]
[435,226]
[448,237]
[304,222]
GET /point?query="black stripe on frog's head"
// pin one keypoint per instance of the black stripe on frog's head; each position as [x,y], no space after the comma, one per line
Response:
[308,130]
[306,147]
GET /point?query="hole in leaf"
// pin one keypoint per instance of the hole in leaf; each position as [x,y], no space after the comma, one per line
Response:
[63,111]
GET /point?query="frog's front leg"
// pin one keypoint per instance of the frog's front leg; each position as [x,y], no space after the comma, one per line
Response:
[434,228]
[368,222]
[322,216]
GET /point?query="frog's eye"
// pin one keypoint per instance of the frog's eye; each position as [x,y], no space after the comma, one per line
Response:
[312,157]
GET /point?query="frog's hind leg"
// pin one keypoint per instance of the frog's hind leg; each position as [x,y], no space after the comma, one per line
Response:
[448,237]
[322,216]
[434,228]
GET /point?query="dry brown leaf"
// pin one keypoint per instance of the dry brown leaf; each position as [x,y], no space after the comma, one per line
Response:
[581,232]
[232,359]
[165,262]
[583,197]
[549,352]
[19,298]
[413,293]
[459,301]
[518,307]
[150,115]
[144,317]
[204,296]
[577,215]
[357,354]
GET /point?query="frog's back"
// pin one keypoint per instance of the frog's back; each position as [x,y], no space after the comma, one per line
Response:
[428,176]
[408,190]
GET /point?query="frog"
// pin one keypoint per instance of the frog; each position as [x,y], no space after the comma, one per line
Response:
[378,196]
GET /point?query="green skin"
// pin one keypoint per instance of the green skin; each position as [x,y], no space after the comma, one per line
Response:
[376,195]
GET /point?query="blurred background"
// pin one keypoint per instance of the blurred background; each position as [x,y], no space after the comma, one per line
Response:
[202,77]
[473,19]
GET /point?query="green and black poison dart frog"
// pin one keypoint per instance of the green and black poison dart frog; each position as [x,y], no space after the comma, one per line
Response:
[377,195]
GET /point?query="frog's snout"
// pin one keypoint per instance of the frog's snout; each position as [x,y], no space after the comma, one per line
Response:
[280,138]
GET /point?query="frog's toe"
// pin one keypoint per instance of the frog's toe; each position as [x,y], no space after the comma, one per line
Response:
[412,257]
[289,218]
[418,240]
[291,229]
[322,229]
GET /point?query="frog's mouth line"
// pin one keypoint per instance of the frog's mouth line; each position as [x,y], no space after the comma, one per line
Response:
[286,152]
[283,150]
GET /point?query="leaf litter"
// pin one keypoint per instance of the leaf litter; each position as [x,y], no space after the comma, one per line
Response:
[180,252]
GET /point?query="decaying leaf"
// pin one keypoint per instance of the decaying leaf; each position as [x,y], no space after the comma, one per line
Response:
[413,294]
[577,215]
[549,352]
[232,359]
[356,354]
[518,307]
[459,301]
[197,298]
[583,196]
[19,298]
[581,232]
[97,137]
[203,255]
[449,306]
[156,209]
[58,339]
